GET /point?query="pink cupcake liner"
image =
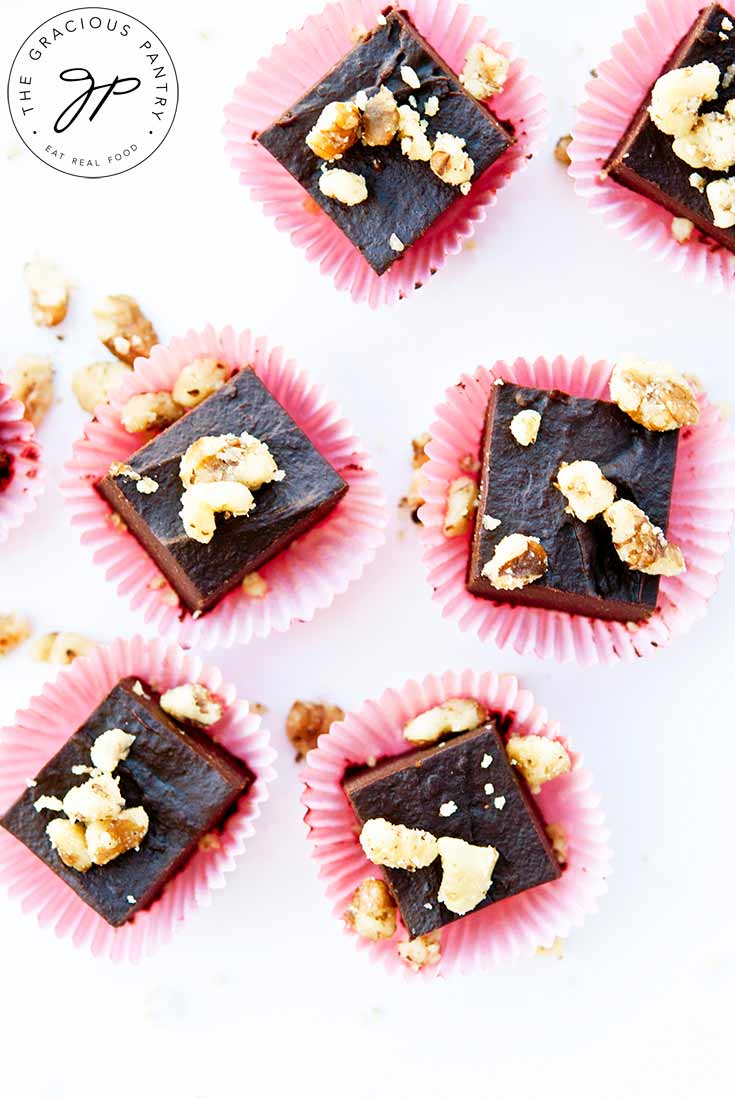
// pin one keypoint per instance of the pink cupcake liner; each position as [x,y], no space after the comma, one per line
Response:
[503,931]
[303,578]
[622,83]
[38,733]
[18,438]
[703,502]
[301,61]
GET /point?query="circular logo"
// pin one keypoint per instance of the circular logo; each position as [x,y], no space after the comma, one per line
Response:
[93,92]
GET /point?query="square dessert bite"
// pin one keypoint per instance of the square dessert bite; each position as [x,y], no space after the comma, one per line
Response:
[125,802]
[223,490]
[559,477]
[365,141]
[469,814]
[679,149]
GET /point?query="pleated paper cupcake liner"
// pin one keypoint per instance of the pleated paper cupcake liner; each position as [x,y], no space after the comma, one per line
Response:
[20,491]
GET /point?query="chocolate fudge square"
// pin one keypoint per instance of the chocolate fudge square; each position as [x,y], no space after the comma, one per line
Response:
[585,574]
[644,159]
[404,197]
[183,779]
[202,574]
[410,790]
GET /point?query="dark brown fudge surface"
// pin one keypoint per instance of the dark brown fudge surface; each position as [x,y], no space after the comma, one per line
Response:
[202,574]
[183,779]
[585,574]
[410,789]
[404,196]
[644,160]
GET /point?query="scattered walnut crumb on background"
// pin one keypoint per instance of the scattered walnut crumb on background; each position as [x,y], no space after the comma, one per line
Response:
[681,229]
[372,910]
[60,648]
[92,385]
[556,949]
[49,292]
[413,500]
[32,383]
[421,952]
[255,586]
[13,631]
[123,328]
[461,503]
[149,412]
[561,150]
[558,838]
[307,721]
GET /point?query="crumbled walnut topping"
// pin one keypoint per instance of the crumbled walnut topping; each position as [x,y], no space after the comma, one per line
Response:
[49,292]
[123,328]
[255,586]
[372,911]
[147,486]
[412,132]
[455,715]
[524,426]
[485,71]
[561,150]
[32,383]
[721,196]
[414,499]
[192,702]
[421,952]
[640,544]
[449,160]
[357,33]
[349,188]
[653,394]
[396,846]
[556,949]
[69,841]
[410,77]
[585,488]
[499,803]
[230,459]
[120,469]
[558,839]
[728,76]
[13,631]
[711,143]
[396,244]
[48,804]
[538,758]
[92,385]
[461,502]
[111,748]
[115,520]
[466,874]
[202,502]
[490,523]
[431,106]
[199,380]
[307,721]
[99,798]
[337,129]
[380,119]
[697,181]
[682,229]
[209,842]
[517,561]
[108,839]
[678,95]
[60,648]
[149,412]
[448,808]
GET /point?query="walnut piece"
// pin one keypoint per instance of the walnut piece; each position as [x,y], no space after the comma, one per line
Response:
[191,701]
[147,486]
[585,488]
[149,412]
[517,561]
[108,839]
[421,952]
[349,188]
[337,129]
[372,911]
[711,143]
[455,715]
[524,426]
[199,380]
[111,748]
[485,71]
[412,132]
[61,648]
[69,841]
[380,119]
[307,721]
[410,77]
[721,196]
[461,501]
[93,385]
[449,160]
[653,394]
[640,544]
[255,586]
[561,150]
[538,758]
[99,798]
[48,804]
[13,631]
[123,328]
[413,500]
[229,459]
[467,871]
[32,383]
[396,846]
[558,839]
[678,95]
[49,292]
[682,229]
[201,503]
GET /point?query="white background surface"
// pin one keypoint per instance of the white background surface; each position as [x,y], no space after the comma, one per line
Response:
[263,990]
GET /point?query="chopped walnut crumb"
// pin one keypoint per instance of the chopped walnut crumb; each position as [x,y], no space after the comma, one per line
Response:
[98,798]
[372,911]
[13,631]
[255,586]
[396,244]
[556,949]
[678,95]
[396,846]
[192,702]
[380,119]
[449,160]
[241,459]
[111,748]
[149,412]
[414,500]
[467,871]
[524,426]
[49,292]
[115,520]
[307,721]
[697,181]
[48,804]
[61,648]
[561,150]
[455,715]
[209,842]
[431,106]
[410,77]
[32,383]
[538,758]
[201,503]
[108,839]
[198,380]
[653,394]
[558,839]
[337,129]
[640,544]
[69,841]
[721,196]
[711,143]
[92,385]
[123,328]
[147,486]
[490,523]
[461,502]
[485,71]
[357,33]
[421,952]
[412,132]
[682,229]
[587,491]
[517,561]
[349,188]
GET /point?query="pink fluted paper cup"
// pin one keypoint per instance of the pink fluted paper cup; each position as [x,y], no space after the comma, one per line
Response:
[301,61]
[302,579]
[23,484]
[700,521]
[40,731]
[622,83]
[515,927]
